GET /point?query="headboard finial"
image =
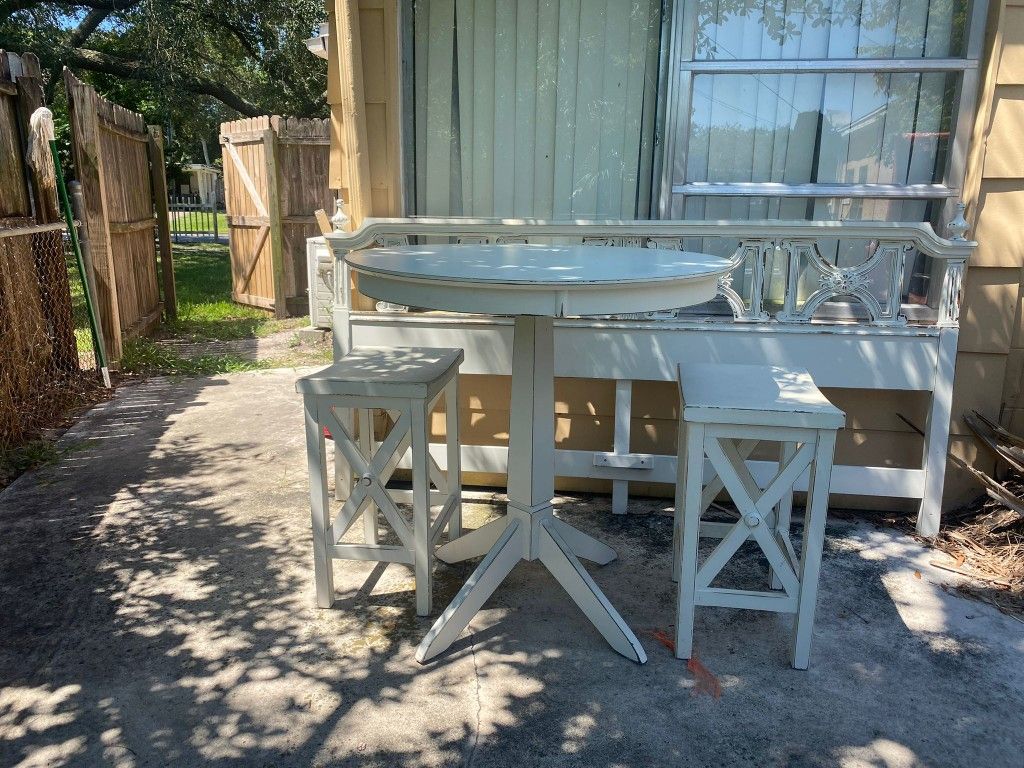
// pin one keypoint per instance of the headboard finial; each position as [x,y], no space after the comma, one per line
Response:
[958,226]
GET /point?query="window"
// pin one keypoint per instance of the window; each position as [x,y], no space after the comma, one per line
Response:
[820,109]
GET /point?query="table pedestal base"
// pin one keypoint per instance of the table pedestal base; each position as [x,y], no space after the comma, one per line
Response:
[529,531]
[529,536]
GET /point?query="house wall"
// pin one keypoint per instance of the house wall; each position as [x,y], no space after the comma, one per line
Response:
[363,87]
[990,362]
[364,61]
[991,358]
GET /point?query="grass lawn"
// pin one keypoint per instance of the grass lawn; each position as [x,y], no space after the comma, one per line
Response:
[206,313]
[202,280]
[198,221]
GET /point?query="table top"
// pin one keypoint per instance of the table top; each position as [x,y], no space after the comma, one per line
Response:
[555,280]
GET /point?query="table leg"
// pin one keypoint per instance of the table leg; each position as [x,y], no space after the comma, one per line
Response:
[529,531]
[472,544]
[478,541]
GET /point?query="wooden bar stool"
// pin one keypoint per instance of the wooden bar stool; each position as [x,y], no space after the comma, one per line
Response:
[407,383]
[727,410]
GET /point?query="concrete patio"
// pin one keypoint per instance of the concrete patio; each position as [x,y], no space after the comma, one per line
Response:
[157,603]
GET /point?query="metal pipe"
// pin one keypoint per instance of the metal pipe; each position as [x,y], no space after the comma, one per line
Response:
[88,289]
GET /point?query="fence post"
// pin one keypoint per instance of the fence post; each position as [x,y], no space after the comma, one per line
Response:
[55,290]
[163,219]
[85,132]
[274,211]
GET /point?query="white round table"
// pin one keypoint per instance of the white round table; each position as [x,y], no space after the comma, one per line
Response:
[534,283]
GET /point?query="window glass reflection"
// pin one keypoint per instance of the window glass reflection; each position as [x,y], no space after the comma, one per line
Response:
[835,128]
[829,29]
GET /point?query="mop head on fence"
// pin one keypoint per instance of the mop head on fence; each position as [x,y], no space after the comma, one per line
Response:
[40,134]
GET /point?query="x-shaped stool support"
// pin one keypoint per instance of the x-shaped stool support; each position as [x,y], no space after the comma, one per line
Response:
[757,508]
[763,517]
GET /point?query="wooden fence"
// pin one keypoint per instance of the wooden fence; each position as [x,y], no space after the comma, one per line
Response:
[275,177]
[120,164]
[38,353]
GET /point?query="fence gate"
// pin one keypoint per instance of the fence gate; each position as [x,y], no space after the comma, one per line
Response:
[120,164]
[275,177]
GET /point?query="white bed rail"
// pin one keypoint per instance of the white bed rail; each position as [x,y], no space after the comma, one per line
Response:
[783,301]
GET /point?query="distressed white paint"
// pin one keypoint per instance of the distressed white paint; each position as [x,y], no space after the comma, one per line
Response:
[543,281]
[623,412]
[724,421]
[850,353]
[551,280]
[407,383]
[529,531]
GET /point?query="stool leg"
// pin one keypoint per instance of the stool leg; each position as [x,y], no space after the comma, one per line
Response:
[454,472]
[422,556]
[688,510]
[814,540]
[366,448]
[784,509]
[342,471]
[319,499]
[680,498]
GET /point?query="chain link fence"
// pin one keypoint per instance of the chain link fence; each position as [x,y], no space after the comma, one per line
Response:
[47,360]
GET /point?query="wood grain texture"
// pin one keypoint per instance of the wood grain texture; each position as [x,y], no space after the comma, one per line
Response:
[276,175]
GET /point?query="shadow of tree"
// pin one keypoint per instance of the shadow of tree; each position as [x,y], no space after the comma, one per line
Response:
[158,610]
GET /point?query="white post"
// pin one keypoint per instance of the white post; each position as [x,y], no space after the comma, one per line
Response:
[422,562]
[687,532]
[341,335]
[623,410]
[453,476]
[319,501]
[815,515]
[531,456]
[341,323]
[365,420]
[936,434]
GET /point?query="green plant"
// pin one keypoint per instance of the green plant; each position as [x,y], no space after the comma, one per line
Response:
[21,458]
[146,357]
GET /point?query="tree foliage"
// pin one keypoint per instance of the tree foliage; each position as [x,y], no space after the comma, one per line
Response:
[185,64]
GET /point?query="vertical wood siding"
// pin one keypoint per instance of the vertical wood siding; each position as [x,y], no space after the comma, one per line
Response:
[534,108]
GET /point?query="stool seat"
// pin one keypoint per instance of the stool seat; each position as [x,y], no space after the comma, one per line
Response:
[754,395]
[418,372]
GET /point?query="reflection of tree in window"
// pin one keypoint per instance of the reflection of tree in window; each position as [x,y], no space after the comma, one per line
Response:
[876,28]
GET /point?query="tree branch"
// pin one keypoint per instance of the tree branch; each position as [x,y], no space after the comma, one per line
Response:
[89,24]
[97,61]
[7,7]
[78,36]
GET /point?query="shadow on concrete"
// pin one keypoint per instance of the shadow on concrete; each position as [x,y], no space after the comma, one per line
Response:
[158,610]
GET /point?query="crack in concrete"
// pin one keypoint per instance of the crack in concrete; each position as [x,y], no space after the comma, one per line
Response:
[479,702]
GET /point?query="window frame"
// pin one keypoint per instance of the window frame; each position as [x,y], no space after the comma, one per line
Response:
[681,67]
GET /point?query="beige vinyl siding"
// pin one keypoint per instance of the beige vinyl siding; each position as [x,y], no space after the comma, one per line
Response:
[535,108]
[365,160]
[375,40]
[584,420]
[991,349]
